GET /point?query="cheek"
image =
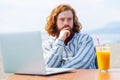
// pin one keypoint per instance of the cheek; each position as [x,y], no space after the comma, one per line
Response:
[71,24]
[59,25]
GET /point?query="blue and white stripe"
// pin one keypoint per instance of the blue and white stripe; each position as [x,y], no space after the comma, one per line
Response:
[80,48]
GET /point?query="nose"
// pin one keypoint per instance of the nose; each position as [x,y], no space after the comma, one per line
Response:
[66,22]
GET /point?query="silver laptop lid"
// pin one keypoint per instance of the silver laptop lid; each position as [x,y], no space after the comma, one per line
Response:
[22,52]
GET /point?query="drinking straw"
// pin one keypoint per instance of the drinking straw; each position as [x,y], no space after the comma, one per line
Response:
[99,44]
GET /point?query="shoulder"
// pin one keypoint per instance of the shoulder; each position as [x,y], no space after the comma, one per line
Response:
[83,37]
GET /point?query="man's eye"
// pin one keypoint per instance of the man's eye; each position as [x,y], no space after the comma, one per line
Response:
[62,19]
[69,19]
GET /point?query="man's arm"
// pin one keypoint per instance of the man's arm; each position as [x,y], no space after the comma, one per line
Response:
[84,56]
[53,54]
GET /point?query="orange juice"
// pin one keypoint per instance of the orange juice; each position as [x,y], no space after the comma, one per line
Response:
[103,58]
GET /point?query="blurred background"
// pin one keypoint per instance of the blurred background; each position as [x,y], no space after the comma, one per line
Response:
[100,19]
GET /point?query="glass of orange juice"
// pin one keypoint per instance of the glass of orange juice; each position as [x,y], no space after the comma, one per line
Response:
[103,57]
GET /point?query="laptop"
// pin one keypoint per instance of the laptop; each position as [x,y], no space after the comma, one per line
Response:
[22,54]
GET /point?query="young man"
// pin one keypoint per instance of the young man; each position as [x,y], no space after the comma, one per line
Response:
[69,48]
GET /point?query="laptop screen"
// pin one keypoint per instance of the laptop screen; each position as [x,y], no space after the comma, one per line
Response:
[22,52]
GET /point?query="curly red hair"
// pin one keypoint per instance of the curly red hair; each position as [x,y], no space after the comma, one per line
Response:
[51,26]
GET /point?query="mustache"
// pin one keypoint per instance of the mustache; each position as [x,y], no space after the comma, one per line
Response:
[66,26]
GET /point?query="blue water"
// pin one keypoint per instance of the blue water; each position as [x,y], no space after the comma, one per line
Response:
[106,38]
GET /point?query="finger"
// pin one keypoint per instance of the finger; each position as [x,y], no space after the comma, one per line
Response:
[68,34]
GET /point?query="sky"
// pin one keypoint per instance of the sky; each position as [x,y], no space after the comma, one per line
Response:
[23,15]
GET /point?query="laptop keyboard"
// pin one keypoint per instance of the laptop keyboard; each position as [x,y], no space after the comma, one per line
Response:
[52,69]
[56,69]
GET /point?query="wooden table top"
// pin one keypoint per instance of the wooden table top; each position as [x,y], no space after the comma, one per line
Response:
[80,74]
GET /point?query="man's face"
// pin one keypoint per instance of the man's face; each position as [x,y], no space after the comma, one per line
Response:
[65,20]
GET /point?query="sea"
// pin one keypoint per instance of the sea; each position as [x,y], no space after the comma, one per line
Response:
[106,38]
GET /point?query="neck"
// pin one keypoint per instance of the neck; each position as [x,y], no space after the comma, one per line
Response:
[69,38]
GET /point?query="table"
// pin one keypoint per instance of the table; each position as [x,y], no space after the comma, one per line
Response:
[80,74]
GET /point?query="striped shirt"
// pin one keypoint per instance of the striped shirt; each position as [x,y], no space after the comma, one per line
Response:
[78,53]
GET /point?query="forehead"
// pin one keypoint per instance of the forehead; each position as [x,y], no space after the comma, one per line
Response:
[66,14]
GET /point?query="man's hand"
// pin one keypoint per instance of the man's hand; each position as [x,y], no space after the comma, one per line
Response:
[64,34]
